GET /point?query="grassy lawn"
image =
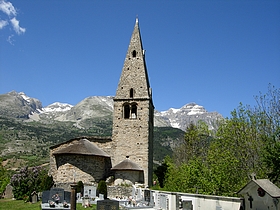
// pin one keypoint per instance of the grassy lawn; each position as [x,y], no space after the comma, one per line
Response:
[9,204]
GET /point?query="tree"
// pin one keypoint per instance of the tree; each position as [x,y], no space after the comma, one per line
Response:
[102,188]
[161,171]
[247,142]
[268,113]
[188,177]
[236,152]
[271,158]
[196,143]
[80,187]
[28,180]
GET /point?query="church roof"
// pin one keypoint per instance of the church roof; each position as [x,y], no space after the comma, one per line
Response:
[100,139]
[82,147]
[265,184]
[127,165]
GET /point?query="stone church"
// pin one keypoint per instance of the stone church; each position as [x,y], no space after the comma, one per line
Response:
[127,156]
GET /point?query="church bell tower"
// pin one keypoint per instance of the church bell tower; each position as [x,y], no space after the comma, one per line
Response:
[133,119]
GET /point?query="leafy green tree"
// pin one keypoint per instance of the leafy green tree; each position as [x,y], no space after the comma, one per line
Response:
[268,116]
[247,142]
[268,111]
[271,158]
[102,188]
[80,187]
[28,180]
[188,177]
[196,143]
[160,173]
[46,181]
[224,177]
[236,152]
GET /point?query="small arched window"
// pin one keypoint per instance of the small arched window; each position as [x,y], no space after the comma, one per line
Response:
[131,93]
[133,111]
[126,110]
[134,53]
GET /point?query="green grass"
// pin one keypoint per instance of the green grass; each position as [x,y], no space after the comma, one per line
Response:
[6,204]
[9,204]
[29,158]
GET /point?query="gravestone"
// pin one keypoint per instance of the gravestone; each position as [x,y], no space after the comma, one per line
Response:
[90,191]
[187,205]
[163,200]
[58,191]
[8,191]
[147,195]
[67,196]
[138,194]
[50,202]
[45,196]
[34,197]
[107,205]
[101,197]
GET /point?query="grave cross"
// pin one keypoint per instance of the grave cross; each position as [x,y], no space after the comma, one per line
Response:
[251,201]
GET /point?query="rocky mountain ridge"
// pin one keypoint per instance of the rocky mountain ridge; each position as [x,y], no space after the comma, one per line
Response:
[18,105]
[96,108]
[27,129]
[189,113]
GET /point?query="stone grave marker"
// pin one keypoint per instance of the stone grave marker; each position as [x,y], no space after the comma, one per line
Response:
[163,200]
[90,191]
[58,191]
[138,194]
[187,205]
[34,197]
[8,191]
[67,196]
[101,197]
[45,196]
[107,205]
[147,195]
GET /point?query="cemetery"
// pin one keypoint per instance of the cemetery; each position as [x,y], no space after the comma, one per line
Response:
[257,194]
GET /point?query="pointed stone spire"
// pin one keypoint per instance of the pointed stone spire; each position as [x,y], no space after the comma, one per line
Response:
[133,119]
[134,82]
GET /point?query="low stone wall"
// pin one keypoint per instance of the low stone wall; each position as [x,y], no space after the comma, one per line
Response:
[119,191]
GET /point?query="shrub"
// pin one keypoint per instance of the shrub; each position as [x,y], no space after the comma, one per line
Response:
[80,187]
[29,180]
[102,188]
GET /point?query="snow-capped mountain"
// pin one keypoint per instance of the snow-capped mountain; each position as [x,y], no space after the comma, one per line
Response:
[96,109]
[189,113]
[91,107]
[57,107]
[18,105]
[50,112]
[83,115]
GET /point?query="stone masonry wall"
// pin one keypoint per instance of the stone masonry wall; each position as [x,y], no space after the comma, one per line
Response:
[86,168]
[132,136]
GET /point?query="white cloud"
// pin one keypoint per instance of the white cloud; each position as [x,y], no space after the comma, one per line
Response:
[7,8]
[10,39]
[10,12]
[3,23]
[17,28]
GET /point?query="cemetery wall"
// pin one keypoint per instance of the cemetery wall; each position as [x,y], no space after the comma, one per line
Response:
[128,177]
[175,200]
[120,191]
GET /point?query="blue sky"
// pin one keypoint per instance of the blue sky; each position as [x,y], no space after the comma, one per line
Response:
[214,53]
